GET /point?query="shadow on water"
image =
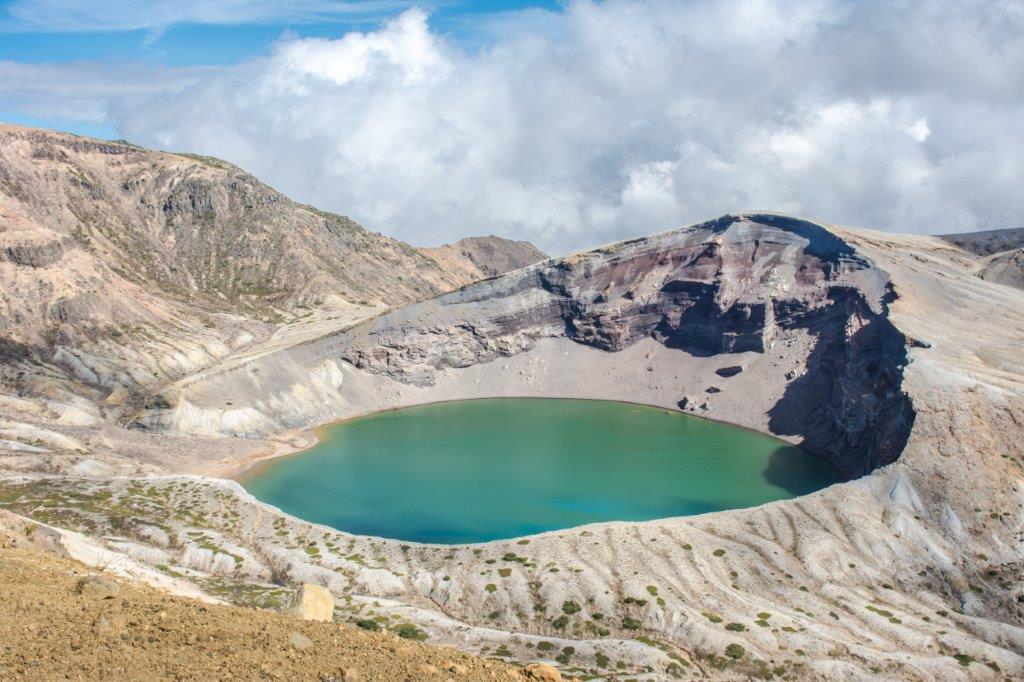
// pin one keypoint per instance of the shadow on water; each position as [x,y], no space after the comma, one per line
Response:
[800,473]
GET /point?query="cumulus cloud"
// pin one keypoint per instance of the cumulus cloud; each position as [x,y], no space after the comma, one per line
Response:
[624,117]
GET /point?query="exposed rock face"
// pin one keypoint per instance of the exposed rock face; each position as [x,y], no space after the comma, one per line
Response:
[729,286]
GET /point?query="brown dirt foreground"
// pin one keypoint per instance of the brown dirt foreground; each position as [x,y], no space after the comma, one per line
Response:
[50,631]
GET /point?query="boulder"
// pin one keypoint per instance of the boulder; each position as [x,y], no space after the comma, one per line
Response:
[98,587]
[312,602]
[543,672]
[730,371]
[300,641]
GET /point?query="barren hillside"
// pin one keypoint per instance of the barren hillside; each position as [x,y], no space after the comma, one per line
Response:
[123,268]
[1000,254]
[482,257]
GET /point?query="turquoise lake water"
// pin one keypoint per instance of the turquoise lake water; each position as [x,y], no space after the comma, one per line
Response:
[477,470]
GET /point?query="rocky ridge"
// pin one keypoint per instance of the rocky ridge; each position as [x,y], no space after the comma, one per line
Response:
[737,285]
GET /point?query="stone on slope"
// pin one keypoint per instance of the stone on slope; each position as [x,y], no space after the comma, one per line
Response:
[300,641]
[312,602]
[543,672]
[98,587]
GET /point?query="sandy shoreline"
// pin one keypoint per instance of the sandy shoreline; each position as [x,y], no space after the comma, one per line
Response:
[284,444]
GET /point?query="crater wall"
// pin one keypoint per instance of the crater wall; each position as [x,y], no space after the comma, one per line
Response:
[799,311]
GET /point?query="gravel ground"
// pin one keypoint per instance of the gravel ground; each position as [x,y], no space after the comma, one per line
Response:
[54,627]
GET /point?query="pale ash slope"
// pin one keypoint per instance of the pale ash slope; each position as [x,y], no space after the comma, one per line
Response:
[476,258]
[1000,254]
[877,348]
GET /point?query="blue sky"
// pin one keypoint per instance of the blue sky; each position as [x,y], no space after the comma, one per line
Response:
[40,32]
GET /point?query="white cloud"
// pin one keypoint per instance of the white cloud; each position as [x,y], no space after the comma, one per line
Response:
[625,117]
[130,15]
[83,91]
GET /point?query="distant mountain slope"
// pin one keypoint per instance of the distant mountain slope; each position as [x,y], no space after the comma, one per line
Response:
[481,257]
[127,267]
[987,242]
[1006,267]
[191,226]
[1002,253]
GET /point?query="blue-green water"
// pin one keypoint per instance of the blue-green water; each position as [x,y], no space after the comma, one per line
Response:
[477,470]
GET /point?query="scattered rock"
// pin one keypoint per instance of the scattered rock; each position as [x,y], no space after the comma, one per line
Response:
[426,669]
[312,602]
[300,641]
[730,371]
[713,389]
[98,587]
[790,374]
[458,669]
[102,625]
[543,672]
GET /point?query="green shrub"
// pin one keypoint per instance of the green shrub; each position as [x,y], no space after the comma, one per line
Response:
[630,623]
[560,622]
[719,552]
[368,624]
[544,645]
[570,607]
[410,631]
[736,627]
[491,587]
[735,651]
[964,658]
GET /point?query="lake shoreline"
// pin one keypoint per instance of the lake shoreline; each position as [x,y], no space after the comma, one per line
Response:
[468,471]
